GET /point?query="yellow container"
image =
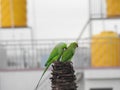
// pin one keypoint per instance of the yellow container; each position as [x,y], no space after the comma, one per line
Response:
[105,50]
[13,13]
[113,8]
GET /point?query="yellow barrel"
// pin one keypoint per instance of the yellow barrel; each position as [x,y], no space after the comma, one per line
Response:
[105,50]
[13,13]
[113,8]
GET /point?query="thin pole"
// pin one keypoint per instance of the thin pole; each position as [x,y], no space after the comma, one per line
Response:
[90,16]
[102,14]
[12,17]
[81,33]
[32,29]
[12,13]
[116,28]
[90,26]
[0,13]
[13,25]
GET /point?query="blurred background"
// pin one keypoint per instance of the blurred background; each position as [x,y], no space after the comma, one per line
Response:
[29,29]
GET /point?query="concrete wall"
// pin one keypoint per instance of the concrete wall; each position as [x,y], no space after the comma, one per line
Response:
[23,80]
[108,83]
[3,57]
[101,78]
[27,80]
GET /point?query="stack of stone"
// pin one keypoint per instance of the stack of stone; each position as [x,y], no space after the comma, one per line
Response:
[63,77]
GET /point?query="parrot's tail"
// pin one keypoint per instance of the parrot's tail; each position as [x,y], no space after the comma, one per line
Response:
[41,78]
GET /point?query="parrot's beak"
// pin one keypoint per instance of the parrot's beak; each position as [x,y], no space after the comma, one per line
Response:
[77,45]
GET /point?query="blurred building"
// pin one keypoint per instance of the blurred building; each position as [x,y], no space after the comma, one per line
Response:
[29,30]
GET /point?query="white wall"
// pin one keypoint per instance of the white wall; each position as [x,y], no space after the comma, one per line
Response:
[27,80]
[21,80]
[108,83]
[15,34]
[101,78]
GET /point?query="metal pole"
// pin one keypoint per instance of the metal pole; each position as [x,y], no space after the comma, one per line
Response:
[33,28]
[102,14]
[90,26]
[90,16]
[0,13]
[13,26]
[116,28]
[12,14]
[81,33]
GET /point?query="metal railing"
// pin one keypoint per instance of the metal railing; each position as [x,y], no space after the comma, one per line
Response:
[26,54]
[98,8]
[33,55]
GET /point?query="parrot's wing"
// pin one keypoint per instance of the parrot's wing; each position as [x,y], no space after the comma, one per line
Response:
[67,55]
[54,59]
[58,49]
[56,54]
[52,55]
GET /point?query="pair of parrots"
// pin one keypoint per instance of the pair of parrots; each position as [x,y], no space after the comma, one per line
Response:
[60,53]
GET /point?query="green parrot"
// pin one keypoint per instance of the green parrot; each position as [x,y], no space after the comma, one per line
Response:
[69,52]
[54,55]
